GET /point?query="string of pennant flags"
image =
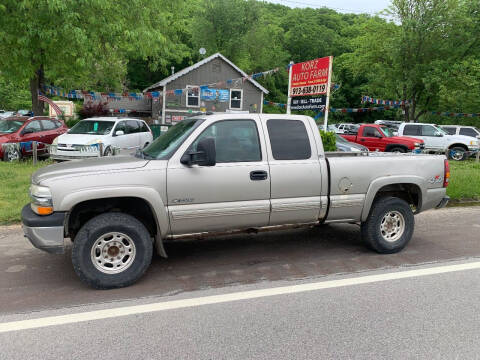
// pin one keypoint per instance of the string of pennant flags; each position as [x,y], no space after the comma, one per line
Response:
[111,96]
[368,99]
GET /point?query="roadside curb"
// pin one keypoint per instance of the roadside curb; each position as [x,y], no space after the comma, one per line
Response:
[463,202]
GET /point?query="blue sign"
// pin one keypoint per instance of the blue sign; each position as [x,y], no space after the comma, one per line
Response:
[208,94]
[223,95]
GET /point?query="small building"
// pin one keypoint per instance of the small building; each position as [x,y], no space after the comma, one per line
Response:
[214,84]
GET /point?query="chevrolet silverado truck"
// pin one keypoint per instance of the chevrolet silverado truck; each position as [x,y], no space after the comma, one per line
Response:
[225,173]
[380,138]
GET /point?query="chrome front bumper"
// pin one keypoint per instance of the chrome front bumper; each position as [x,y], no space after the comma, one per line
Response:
[44,232]
[49,239]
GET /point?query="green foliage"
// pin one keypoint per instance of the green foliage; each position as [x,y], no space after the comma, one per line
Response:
[464,180]
[329,140]
[14,96]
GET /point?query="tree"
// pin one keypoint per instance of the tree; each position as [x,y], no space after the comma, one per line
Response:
[85,43]
[404,61]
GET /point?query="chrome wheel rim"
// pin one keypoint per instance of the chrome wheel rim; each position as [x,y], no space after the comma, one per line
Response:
[13,155]
[113,253]
[392,226]
[457,155]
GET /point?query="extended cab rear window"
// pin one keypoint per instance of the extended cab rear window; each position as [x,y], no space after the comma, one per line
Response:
[289,140]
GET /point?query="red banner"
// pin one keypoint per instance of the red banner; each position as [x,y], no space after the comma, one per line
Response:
[310,77]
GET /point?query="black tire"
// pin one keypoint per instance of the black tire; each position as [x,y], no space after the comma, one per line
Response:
[89,235]
[371,228]
[108,151]
[457,153]
[398,149]
[7,155]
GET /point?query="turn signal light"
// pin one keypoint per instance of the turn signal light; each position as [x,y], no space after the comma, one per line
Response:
[446,175]
[42,210]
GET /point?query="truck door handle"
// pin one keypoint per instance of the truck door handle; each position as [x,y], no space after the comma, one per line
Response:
[362,139]
[258,175]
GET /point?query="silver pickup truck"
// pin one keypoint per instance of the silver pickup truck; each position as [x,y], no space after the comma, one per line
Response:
[223,173]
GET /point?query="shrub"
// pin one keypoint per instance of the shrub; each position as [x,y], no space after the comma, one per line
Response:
[329,140]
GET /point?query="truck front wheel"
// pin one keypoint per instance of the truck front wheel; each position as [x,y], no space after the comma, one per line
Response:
[389,226]
[112,250]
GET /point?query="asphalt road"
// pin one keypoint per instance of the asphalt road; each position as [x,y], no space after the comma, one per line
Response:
[31,280]
[419,317]
[434,316]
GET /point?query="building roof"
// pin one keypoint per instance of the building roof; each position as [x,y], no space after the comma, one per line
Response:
[196,66]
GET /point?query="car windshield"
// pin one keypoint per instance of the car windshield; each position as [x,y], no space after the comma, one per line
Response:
[386,131]
[164,146]
[439,129]
[90,127]
[10,126]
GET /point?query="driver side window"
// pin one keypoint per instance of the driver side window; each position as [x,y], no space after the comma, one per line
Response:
[428,130]
[371,132]
[121,127]
[235,141]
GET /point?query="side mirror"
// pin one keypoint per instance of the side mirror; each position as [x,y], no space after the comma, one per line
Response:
[27,131]
[204,156]
[438,134]
[119,132]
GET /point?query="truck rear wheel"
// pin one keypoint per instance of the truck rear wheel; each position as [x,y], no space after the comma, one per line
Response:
[112,250]
[389,226]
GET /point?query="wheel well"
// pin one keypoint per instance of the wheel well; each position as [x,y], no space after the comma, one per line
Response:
[458,145]
[389,147]
[411,193]
[136,207]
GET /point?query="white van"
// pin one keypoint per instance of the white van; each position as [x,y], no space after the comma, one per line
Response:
[82,140]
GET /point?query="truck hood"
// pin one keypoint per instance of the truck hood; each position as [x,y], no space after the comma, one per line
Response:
[87,166]
[82,139]
[462,139]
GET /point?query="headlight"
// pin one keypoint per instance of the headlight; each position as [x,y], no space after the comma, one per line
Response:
[41,199]
[474,143]
[417,144]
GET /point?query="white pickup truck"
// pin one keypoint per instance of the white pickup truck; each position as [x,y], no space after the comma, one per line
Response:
[223,173]
[437,140]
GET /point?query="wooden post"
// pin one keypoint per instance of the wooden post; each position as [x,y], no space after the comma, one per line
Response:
[34,150]
[100,149]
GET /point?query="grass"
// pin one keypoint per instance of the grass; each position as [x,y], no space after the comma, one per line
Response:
[15,180]
[14,184]
[464,180]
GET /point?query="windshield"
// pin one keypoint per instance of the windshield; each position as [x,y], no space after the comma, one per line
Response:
[439,129]
[164,146]
[10,126]
[92,127]
[386,131]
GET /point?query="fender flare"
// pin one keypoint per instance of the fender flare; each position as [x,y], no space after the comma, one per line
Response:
[379,183]
[149,195]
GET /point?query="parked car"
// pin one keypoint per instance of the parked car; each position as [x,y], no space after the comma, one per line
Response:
[379,138]
[347,128]
[471,131]
[82,140]
[330,128]
[5,114]
[457,147]
[391,124]
[347,146]
[24,130]
[24,113]
[217,173]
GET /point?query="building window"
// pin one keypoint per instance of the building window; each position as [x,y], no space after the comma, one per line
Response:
[236,96]
[193,96]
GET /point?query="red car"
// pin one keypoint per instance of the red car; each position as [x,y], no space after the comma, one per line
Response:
[377,137]
[24,130]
